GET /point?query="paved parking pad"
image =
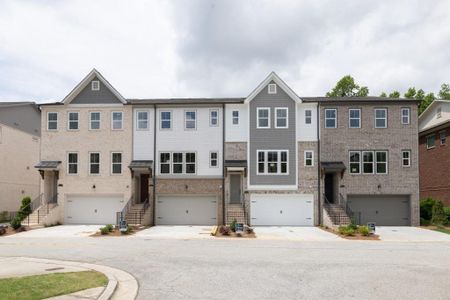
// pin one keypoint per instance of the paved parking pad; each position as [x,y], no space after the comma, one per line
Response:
[176,232]
[61,231]
[410,234]
[295,234]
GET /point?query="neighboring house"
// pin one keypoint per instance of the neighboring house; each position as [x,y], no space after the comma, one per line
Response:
[434,153]
[258,159]
[19,150]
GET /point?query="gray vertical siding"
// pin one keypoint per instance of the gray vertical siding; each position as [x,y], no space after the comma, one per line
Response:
[273,138]
[103,96]
[25,117]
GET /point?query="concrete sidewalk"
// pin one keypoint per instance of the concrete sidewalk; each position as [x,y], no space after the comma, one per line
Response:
[121,284]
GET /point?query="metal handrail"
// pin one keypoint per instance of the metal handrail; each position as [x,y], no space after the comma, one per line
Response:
[345,205]
[336,218]
[120,215]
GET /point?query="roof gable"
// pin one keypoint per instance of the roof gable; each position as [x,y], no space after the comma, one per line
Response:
[273,77]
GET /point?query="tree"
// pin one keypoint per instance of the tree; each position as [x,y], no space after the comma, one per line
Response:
[420,95]
[444,93]
[439,217]
[427,100]
[383,94]
[346,87]
[394,94]
[410,94]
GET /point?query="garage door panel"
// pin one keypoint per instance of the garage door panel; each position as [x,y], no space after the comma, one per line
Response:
[282,210]
[186,210]
[92,209]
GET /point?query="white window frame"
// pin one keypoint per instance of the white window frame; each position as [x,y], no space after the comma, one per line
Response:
[99,120]
[350,117]
[434,139]
[184,163]
[69,163]
[408,159]
[385,117]
[377,162]
[408,116]
[173,163]
[354,162]
[161,120]
[69,121]
[211,118]
[147,127]
[95,85]
[266,162]
[258,109]
[272,88]
[121,120]
[305,159]
[235,118]
[52,121]
[364,163]
[169,162]
[335,117]
[90,163]
[113,163]
[443,137]
[308,117]
[190,163]
[213,159]
[276,117]
[186,120]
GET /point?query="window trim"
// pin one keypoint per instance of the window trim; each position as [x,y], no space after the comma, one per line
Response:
[266,162]
[374,162]
[350,118]
[68,120]
[161,119]
[385,118]
[312,158]
[350,162]
[147,128]
[112,120]
[93,83]
[335,118]
[185,119]
[445,137]
[77,163]
[310,117]
[57,119]
[233,117]
[211,159]
[409,115]
[210,117]
[268,117]
[112,163]
[287,117]
[409,159]
[433,135]
[99,120]
[386,162]
[272,88]
[90,163]
[170,162]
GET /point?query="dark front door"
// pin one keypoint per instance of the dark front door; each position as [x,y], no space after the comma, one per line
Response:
[329,187]
[235,189]
[144,187]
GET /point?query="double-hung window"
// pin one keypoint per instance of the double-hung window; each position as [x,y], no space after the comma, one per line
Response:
[354,118]
[442,137]
[406,158]
[272,162]
[235,117]
[330,118]
[164,165]
[94,163]
[116,120]
[214,117]
[166,119]
[213,159]
[355,162]
[94,120]
[308,116]
[380,118]
[368,162]
[190,163]
[381,162]
[431,141]
[52,121]
[308,158]
[142,120]
[116,163]
[72,163]
[190,119]
[73,120]
[177,163]
[405,115]
[263,114]
[281,117]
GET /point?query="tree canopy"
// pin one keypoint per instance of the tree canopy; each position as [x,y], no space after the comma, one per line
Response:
[347,87]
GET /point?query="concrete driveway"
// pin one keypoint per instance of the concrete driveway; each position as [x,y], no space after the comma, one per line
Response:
[61,231]
[176,232]
[410,234]
[313,234]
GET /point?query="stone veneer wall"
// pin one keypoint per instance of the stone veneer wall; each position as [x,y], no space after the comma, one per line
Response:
[308,175]
[236,151]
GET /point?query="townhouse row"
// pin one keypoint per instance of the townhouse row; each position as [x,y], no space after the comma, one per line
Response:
[271,158]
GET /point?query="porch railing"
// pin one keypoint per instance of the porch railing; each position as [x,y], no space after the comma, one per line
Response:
[344,204]
[336,217]
[121,215]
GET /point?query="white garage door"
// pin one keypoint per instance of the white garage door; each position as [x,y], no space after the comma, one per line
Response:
[282,209]
[92,209]
[186,210]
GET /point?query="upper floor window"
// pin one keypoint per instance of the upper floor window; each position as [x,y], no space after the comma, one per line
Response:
[164,163]
[355,162]
[94,120]
[142,120]
[406,158]
[72,163]
[214,117]
[431,141]
[190,163]
[281,114]
[406,112]
[213,159]
[272,162]
[368,162]
[330,118]
[73,121]
[177,163]
[380,118]
[190,119]
[263,114]
[116,163]
[442,137]
[94,163]
[272,88]
[95,85]
[309,158]
[439,113]
[308,116]
[166,119]
[235,116]
[117,120]
[354,118]
[381,162]
[52,121]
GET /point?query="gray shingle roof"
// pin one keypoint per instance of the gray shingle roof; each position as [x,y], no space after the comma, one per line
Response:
[235,163]
[141,164]
[186,101]
[47,164]
[356,99]
[332,165]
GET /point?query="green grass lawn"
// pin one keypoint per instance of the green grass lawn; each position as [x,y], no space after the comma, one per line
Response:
[443,230]
[49,285]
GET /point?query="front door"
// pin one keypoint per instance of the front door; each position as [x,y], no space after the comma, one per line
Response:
[329,187]
[235,189]
[144,187]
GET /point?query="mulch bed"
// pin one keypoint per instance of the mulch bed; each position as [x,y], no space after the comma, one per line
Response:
[116,232]
[11,231]
[357,236]
[235,235]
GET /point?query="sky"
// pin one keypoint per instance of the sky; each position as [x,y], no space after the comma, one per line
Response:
[152,49]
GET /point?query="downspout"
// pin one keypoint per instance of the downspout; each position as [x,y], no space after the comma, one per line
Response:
[223,163]
[318,163]
[154,165]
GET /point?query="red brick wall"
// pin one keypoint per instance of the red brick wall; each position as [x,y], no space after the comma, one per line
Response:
[434,168]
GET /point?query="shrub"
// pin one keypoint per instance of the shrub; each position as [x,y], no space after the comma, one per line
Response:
[426,208]
[16,223]
[224,230]
[233,225]
[346,230]
[447,212]
[109,227]
[104,230]
[353,226]
[439,217]
[25,208]
[424,222]
[364,230]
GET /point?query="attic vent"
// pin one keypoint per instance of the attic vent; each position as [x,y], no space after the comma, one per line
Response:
[439,113]
[95,85]
[272,88]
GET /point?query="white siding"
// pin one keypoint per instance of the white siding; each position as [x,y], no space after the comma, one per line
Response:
[306,132]
[239,132]
[430,119]
[143,139]
[203,140]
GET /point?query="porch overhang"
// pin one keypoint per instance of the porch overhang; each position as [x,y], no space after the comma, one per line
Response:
[48,165]
[145,165]
[332,167]
[235,165]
